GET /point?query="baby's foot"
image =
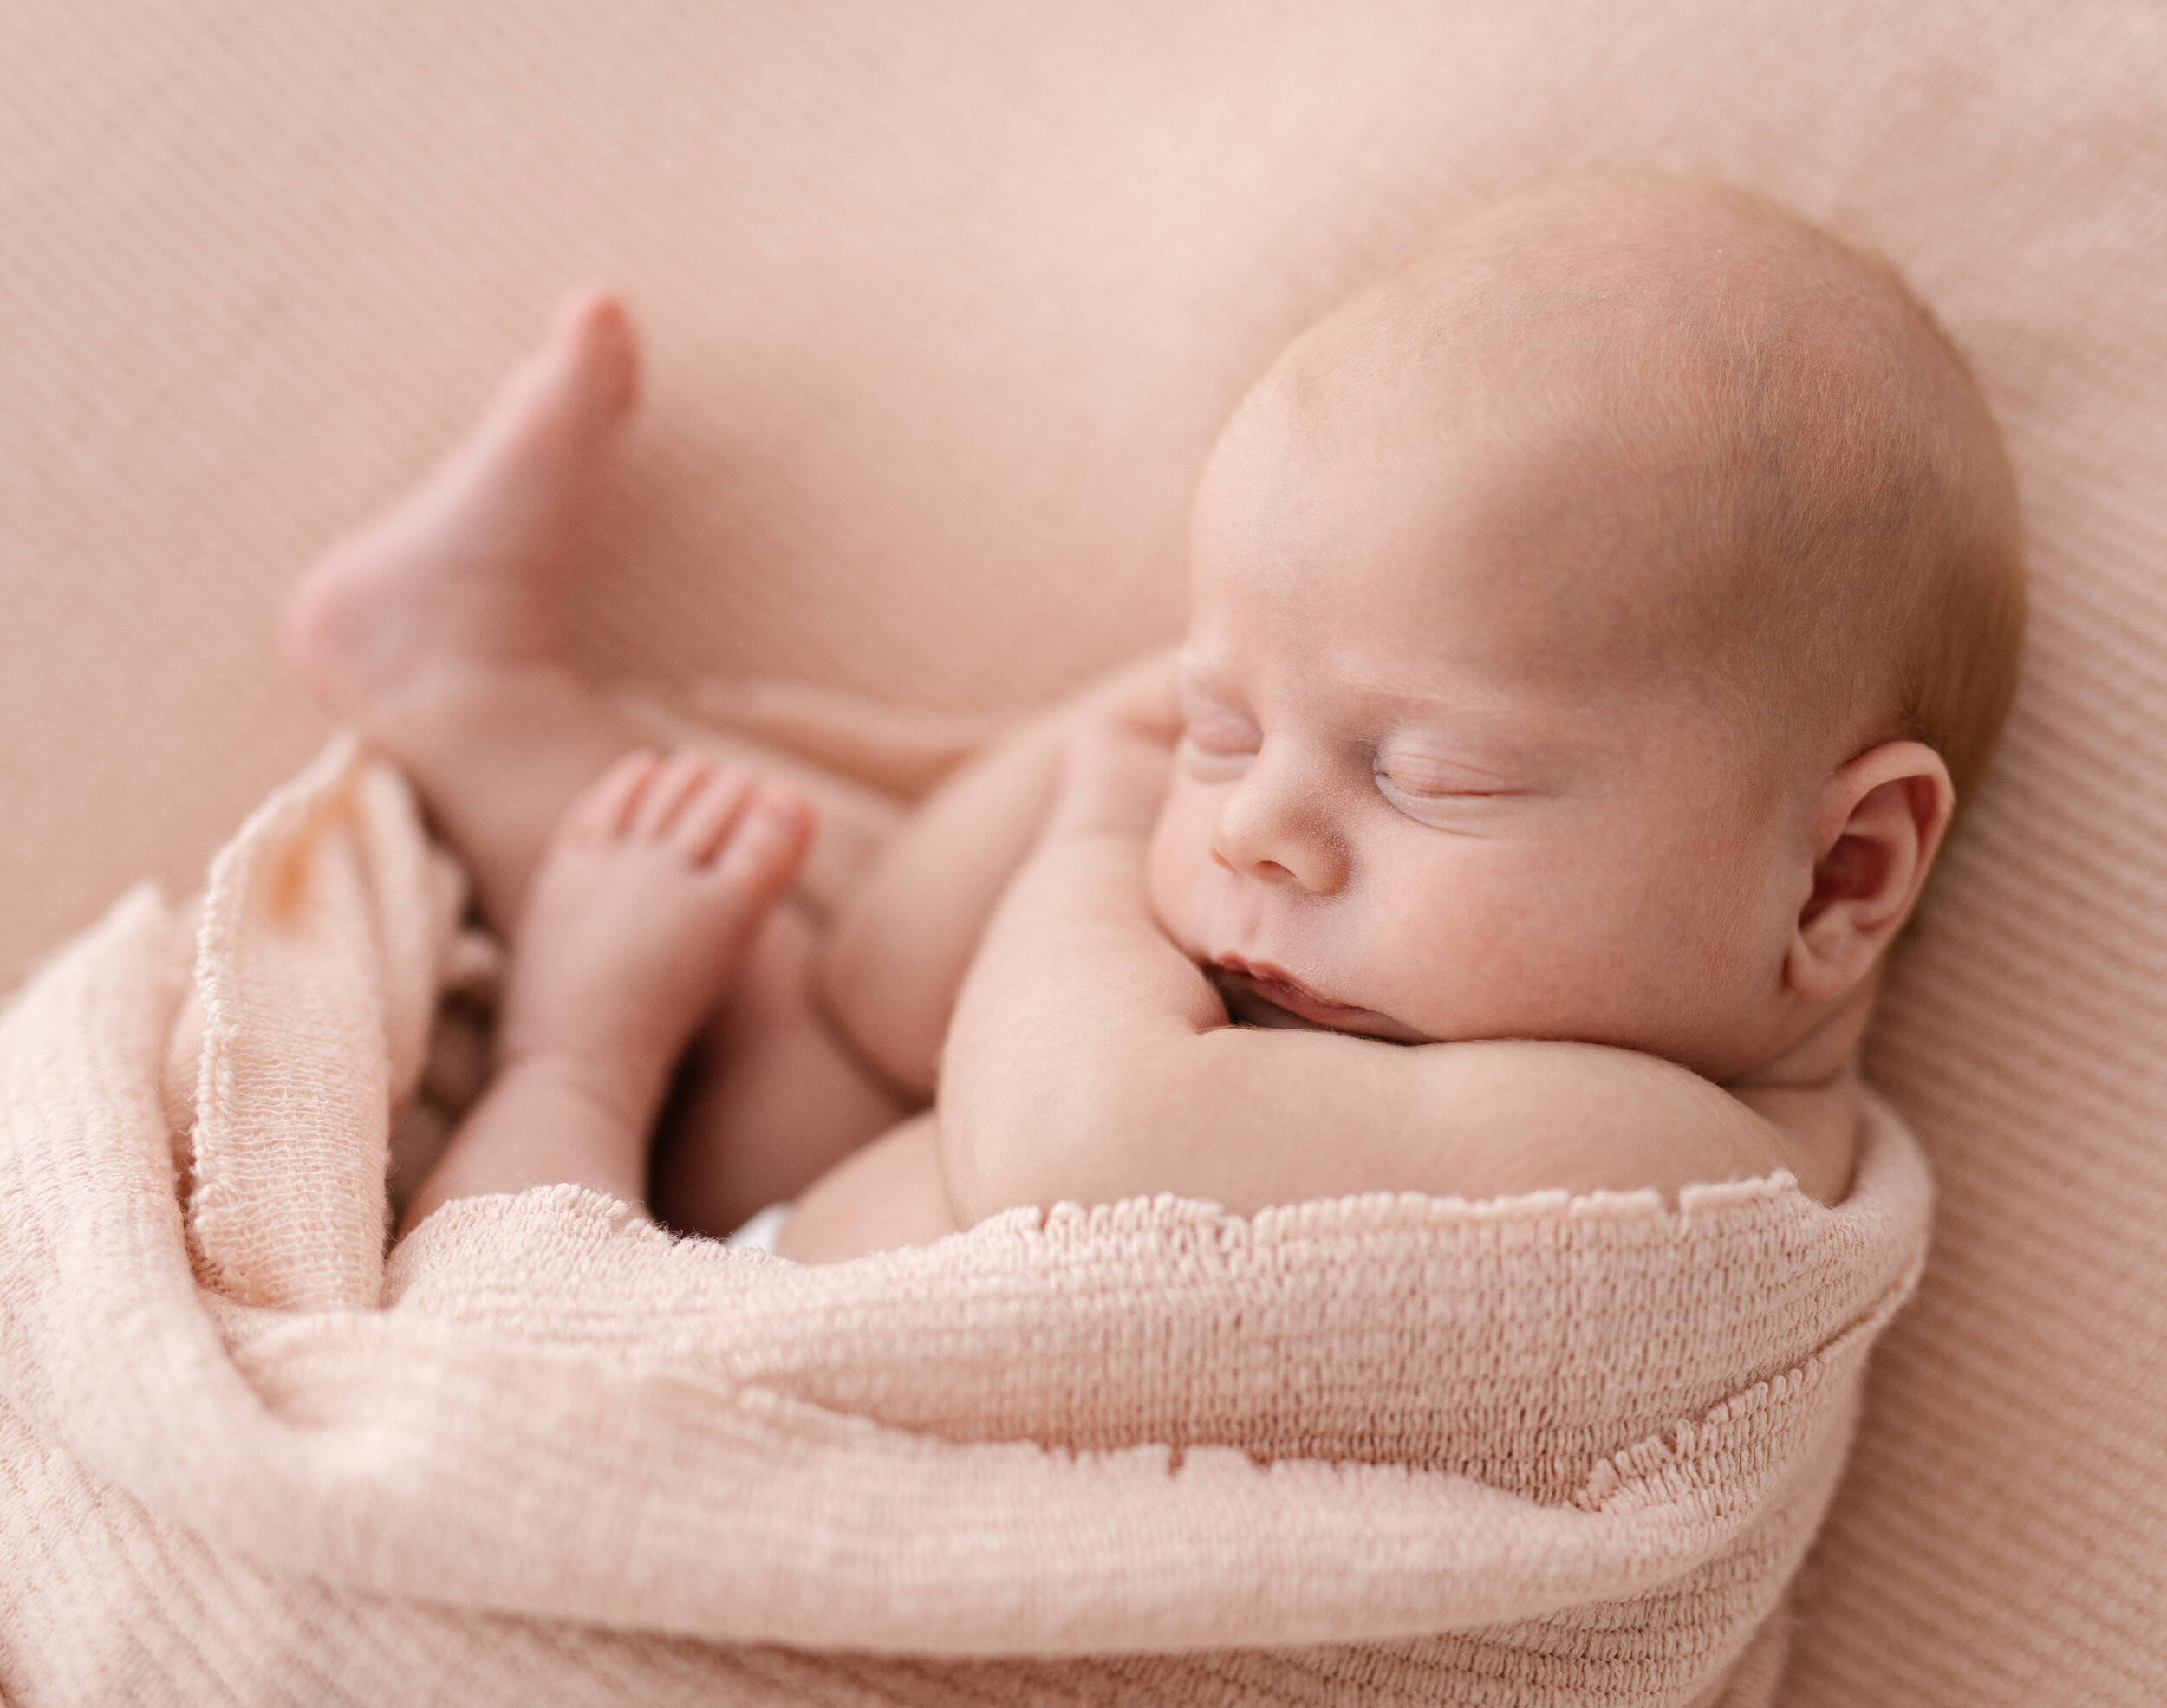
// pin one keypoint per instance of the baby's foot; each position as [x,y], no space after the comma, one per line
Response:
[639,917]
[471,567]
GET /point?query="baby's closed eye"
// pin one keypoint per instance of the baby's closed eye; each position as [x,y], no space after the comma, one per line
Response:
[1216,746]
[1433,787]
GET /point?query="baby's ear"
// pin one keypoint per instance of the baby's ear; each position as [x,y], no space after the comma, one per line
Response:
[1877,826]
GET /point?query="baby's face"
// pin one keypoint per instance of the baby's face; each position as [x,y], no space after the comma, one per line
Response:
[1455,765]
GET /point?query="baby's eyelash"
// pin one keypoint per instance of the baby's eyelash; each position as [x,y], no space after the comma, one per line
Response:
[1426,798]
[1442,789]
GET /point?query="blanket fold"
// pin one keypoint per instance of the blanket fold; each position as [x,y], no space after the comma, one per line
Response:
[1555,1448]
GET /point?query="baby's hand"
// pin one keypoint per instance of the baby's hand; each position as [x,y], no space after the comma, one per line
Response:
[1113,775]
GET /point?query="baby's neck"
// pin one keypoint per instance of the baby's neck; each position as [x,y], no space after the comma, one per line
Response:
[1826,1054]
[1810,1093]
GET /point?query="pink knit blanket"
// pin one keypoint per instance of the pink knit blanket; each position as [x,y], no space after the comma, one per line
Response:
[1549,1448]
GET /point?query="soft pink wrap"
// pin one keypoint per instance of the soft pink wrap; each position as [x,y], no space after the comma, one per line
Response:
[1576,1445]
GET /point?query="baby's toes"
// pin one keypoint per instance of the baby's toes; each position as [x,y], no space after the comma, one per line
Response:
[599,812]
[765,848]
[664,800]
[711,811]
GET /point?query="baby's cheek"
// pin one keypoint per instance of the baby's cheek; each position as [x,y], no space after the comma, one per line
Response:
[1473,950]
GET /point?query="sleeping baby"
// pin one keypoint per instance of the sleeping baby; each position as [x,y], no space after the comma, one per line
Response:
[1594,623]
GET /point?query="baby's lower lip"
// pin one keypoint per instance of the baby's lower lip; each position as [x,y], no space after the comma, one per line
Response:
[1290,996]
[1276,988]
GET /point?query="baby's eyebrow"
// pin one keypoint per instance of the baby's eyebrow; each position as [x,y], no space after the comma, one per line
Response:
[1478,731]
[1472,751]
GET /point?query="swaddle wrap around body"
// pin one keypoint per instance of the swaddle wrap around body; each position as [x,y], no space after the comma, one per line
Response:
[1381,1448]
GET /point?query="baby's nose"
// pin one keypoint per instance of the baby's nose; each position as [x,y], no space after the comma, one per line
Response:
[1273,827]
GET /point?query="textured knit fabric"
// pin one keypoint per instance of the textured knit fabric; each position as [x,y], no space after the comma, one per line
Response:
[1383,1448]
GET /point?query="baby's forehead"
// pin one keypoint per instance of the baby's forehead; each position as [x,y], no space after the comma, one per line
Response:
[1524,566]
[1592,451]
[1570,556]
[1707,395]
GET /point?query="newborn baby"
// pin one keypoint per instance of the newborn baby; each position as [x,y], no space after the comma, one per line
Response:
[1593,625]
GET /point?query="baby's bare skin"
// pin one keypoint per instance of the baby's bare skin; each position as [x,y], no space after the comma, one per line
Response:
[639,919]
[438,630]
[1448,799]
[1459,851]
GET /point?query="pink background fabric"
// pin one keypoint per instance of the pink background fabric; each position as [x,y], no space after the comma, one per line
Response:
[943,305]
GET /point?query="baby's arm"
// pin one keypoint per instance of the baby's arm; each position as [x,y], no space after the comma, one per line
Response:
[896,954]
[1090,1059]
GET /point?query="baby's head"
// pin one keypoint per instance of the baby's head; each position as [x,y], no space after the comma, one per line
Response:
[1593,624]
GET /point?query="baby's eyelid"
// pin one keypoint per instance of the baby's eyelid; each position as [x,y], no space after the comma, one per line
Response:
[1210,721]
[1467,786]
[1218,738]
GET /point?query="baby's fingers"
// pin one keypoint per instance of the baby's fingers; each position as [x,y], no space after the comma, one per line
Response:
[1113,776]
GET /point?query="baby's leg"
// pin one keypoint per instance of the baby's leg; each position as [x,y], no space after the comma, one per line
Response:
[437,629]
[640,915]
[770,1099]
[886,1194]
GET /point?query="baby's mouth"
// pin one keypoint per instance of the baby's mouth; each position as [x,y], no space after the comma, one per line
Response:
[1258,993]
